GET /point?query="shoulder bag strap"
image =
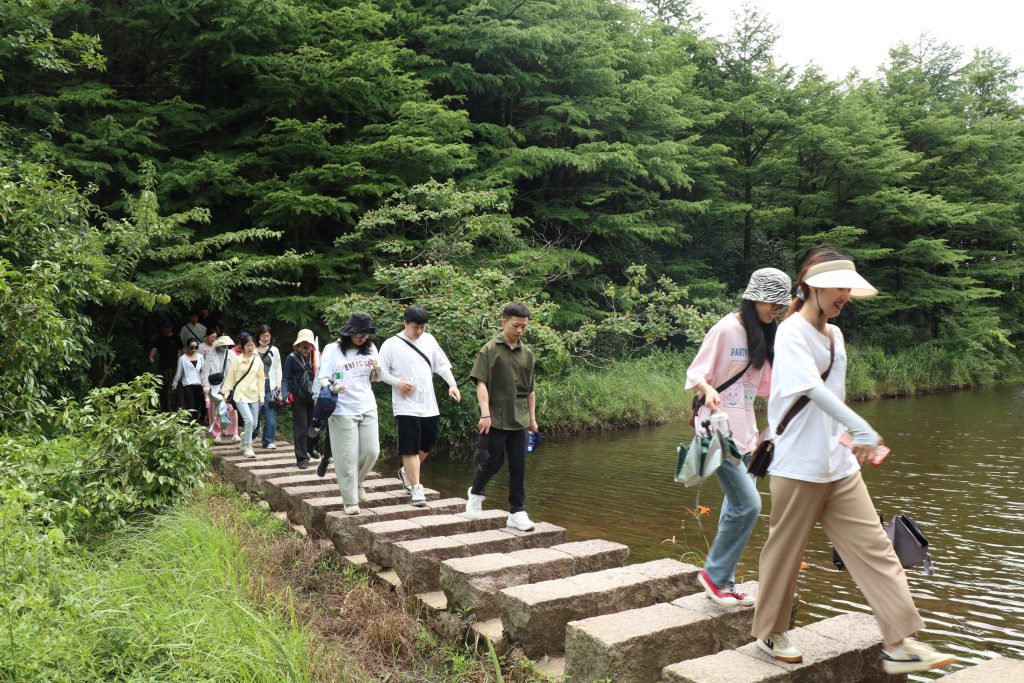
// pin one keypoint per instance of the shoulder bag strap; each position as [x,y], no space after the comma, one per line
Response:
[803,400]
[732,380]
[248,370]
[414,348]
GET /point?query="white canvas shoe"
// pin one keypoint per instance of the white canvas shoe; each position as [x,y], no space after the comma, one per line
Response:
[777,645]
[249,452]
[913,656]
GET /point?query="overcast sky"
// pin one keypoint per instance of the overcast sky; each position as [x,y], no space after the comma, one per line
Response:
[839,36]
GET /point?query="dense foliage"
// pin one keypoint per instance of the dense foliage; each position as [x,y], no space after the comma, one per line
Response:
[611,164]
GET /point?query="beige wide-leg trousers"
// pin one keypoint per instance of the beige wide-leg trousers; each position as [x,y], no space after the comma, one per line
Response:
[848,516]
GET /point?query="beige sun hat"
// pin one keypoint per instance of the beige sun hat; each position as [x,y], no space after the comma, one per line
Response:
[840,273]
[223,341]
[305,336]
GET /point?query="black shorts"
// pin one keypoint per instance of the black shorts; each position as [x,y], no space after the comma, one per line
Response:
[416,434]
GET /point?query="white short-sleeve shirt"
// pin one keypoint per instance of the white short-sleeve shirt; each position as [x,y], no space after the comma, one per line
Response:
[809,449]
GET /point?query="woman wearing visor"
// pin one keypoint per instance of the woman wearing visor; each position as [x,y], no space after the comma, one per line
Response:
[815,478]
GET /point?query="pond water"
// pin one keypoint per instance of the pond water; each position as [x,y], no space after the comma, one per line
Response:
[956,467]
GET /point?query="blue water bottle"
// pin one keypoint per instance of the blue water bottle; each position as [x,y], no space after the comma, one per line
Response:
[533,441]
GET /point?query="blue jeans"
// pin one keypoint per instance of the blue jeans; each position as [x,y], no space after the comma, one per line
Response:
[269,414]
[740,507]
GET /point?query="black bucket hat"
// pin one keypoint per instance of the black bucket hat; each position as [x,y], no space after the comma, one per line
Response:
[358,322]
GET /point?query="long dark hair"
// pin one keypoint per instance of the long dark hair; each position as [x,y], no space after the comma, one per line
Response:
[760,336]
[345,343]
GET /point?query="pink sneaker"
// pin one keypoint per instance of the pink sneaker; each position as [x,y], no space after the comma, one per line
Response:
[714,592]
[745,599]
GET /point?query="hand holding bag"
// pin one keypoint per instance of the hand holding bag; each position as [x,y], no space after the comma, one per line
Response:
[698,399]
[761,460]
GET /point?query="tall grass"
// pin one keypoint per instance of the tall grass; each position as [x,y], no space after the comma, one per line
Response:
[173,602]
[649,390]
[635,392]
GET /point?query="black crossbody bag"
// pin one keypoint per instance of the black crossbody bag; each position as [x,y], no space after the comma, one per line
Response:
[698,400]
[765,451]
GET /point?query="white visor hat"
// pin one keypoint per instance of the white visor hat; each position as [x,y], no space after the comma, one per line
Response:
[842,274]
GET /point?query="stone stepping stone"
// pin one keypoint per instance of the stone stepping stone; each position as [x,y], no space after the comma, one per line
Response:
[841,649]
[342,529]
[328,491]
[379,537]
[474,582]
[260,480]
[635,645]
[247,474]
[1001,670]
[313,511]
[535,615]
[418,562]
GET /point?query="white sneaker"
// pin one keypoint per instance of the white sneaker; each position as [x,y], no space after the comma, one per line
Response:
[519,520]
[404,479]
[351,509]
[362,495]
[249,452]
[914,656]
[777,646]
[217,440]
[474,504]
[419,499]
[236,439]
[271,446]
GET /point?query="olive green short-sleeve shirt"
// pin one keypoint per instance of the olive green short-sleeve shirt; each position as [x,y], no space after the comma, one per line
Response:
[508,374]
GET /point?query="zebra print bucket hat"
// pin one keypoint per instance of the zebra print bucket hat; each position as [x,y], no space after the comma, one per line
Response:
[770,285]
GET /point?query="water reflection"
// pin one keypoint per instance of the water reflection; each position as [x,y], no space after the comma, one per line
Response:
[955,467]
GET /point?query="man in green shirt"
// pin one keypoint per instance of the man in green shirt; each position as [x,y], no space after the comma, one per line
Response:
[503,373]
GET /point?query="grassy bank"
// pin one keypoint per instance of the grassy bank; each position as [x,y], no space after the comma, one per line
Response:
[218,589]
[649,390]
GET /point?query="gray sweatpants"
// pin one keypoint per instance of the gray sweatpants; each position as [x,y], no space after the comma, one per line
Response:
[355,445]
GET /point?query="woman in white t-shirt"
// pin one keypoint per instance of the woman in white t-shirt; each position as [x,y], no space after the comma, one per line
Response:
[739,347]
[815,478]
[347,367]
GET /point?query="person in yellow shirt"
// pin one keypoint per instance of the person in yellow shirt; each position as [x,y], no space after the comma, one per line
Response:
[245,387]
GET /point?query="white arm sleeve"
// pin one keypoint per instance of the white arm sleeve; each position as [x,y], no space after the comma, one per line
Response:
[862,432]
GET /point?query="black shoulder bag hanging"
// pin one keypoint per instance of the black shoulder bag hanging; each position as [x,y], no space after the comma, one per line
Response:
[414,348]
[304,391]
[765,451]
[698,400]
[217,378]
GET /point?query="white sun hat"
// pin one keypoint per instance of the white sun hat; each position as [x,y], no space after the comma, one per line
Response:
[841,274]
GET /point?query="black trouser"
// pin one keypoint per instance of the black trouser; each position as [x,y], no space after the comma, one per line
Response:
[167,375]
[192,395]
[490,449]
[302,415]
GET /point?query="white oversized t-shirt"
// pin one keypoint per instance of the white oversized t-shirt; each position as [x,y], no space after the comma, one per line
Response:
[358,398]
[809,449]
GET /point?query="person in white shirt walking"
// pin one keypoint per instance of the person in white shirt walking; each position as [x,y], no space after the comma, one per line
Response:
[347,367]
[408,362]
[189,377]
